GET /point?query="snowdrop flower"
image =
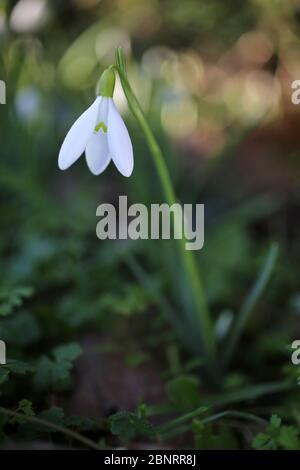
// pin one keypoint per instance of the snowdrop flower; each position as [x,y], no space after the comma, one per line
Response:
[99,132]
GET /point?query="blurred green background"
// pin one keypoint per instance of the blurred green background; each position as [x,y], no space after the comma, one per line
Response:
[214,79]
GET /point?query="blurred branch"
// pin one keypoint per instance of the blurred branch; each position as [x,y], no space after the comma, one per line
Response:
[51,426]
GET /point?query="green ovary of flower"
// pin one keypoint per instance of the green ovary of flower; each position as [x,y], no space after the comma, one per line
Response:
[102,126]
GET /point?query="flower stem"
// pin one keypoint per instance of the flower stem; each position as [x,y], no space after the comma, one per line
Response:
[203,317]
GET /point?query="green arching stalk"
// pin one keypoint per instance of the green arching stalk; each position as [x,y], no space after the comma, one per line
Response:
[52,427]
[205,326]
[177,426]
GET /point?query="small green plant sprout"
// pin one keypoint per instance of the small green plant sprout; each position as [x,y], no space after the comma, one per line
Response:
[277,436]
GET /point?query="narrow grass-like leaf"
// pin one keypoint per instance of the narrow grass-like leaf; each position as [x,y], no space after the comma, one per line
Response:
[250,302]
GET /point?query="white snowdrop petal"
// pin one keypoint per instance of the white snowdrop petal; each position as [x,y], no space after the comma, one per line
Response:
[119,142]
[97,153]
[76,139]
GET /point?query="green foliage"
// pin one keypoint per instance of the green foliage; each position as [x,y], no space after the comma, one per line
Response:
[20,329]
[25,407]
[54,373]
[183,392]
[130,300]
[208,439]
[53,415]
[28,424]
[13,367]
[4,374]
[12,297]
[17,367]
[127,426]
[277,436]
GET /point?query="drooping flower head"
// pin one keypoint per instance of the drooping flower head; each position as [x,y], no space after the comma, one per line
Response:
[100,132]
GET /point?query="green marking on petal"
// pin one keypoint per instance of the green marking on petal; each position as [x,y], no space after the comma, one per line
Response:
[102,126]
